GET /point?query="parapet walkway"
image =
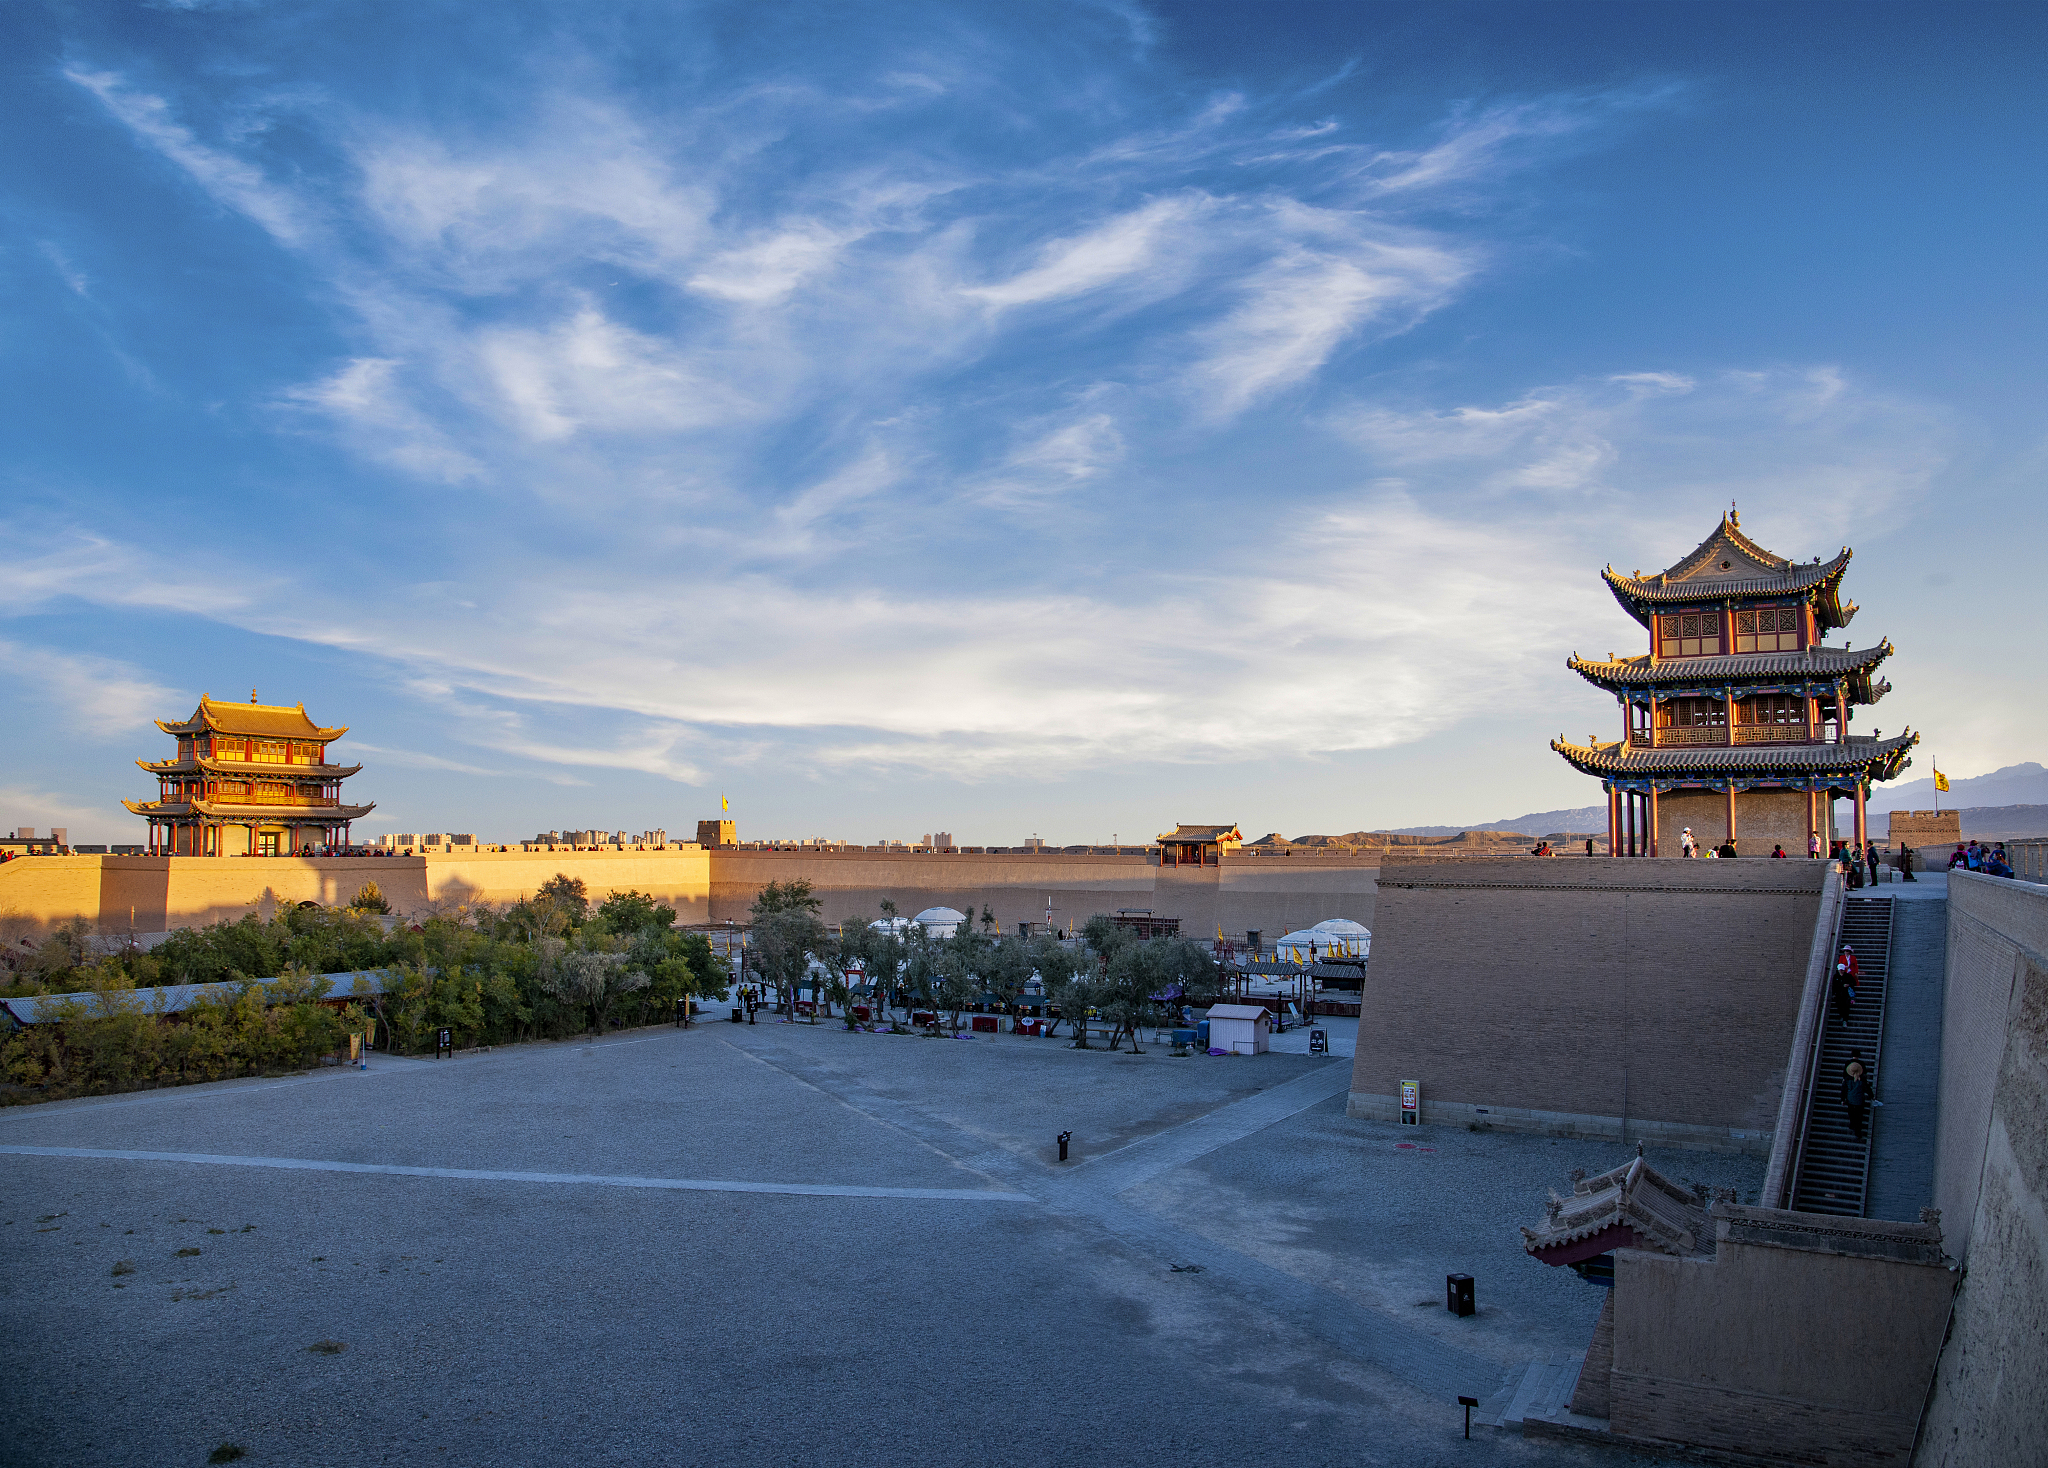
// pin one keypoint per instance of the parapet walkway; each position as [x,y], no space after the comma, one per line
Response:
[1902,1132]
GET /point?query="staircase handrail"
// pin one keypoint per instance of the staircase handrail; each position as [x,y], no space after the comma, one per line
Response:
[1795,1103]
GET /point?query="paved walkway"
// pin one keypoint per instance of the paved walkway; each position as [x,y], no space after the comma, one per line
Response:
[524,1253]
[1902,1136]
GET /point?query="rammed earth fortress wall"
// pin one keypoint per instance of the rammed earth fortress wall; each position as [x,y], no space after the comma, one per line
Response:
[1272,894]
[1989,1407]
[152,894]
[1588,996]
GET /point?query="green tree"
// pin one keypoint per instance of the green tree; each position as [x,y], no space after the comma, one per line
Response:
[785,939]
[632,912]
[791,896]
[568,895]
[594,980]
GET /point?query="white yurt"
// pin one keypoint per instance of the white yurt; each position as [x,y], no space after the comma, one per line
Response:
[940,922]
[1331,938]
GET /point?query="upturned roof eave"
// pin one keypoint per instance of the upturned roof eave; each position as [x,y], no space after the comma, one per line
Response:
[1819,579]
[276,815]
[248,767]
[1881,760]
[1618,673]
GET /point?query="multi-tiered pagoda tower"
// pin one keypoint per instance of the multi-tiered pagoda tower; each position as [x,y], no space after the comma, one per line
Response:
[1736,722]
[249,779]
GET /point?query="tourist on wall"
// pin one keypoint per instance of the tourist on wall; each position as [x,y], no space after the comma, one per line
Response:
[1813,846]
[1870,860]
[1905,862]
[1858,1093]
[1843,984]
[1686,846]
[1778,849]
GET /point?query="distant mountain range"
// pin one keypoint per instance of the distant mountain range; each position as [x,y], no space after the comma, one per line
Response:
[2003,804]
[2025,784]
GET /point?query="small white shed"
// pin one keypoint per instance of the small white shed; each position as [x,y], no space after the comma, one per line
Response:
[1242,1029]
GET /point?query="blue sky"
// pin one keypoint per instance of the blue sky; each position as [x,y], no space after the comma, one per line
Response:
[1056,419]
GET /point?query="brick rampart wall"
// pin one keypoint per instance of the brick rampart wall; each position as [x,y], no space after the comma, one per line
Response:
[1762,818]
[1783,1354]
[1990,1400]
[1272,894]
[154,893]
[1570,996]
[1921,829]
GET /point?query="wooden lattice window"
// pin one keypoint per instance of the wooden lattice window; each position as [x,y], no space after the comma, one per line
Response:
[1770,629]
[271,751]
[1689,634]
[232,749]
[1692,713]
[1771,708]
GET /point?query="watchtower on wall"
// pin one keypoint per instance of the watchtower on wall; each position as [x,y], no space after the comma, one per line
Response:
[1738,696]
[249,779]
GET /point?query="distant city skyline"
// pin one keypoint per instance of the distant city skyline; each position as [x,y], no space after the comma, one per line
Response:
[1072,419]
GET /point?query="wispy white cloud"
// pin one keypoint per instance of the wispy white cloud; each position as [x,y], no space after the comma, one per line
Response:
[368,397]
[1297,310]
[592,372]
[101,698]
[70,274]
[1114,250]
[232,180]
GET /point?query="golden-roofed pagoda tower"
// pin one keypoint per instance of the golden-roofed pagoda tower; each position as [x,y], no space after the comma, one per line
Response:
[249,779]
[1737,696]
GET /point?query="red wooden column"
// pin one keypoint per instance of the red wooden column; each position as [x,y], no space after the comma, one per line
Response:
[1627,723]
[1613,822]
[1651,818]
[1731,812]
[1862,829]
[1841,714]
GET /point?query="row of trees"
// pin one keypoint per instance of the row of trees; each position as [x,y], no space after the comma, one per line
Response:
[1113,973]
[551,966]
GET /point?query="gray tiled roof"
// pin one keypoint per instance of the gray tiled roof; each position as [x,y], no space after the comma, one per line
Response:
[1664,1216]
[1814,662]
[172,998]
[1886,755]
[1729,565]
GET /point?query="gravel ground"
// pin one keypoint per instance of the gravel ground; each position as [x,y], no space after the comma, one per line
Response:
[512,1320]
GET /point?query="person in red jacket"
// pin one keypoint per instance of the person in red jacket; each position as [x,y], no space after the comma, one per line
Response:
[1844,984]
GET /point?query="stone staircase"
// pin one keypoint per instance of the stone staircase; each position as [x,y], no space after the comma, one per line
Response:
[1834,1166]
[1542,1391]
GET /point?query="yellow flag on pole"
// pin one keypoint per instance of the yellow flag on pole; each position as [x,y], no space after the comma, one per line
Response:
[724,804]
[1940,781]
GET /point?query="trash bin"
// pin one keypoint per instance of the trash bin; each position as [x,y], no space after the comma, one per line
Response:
[1202,1033]
[1458,1294]
[739,1016]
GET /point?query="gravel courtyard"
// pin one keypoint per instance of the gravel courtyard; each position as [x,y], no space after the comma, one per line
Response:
[781,1244]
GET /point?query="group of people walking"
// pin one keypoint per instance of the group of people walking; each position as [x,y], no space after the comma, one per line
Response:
[1859,1086]
[1976,856]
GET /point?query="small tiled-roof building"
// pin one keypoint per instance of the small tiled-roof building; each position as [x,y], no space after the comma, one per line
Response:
[1198,846]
